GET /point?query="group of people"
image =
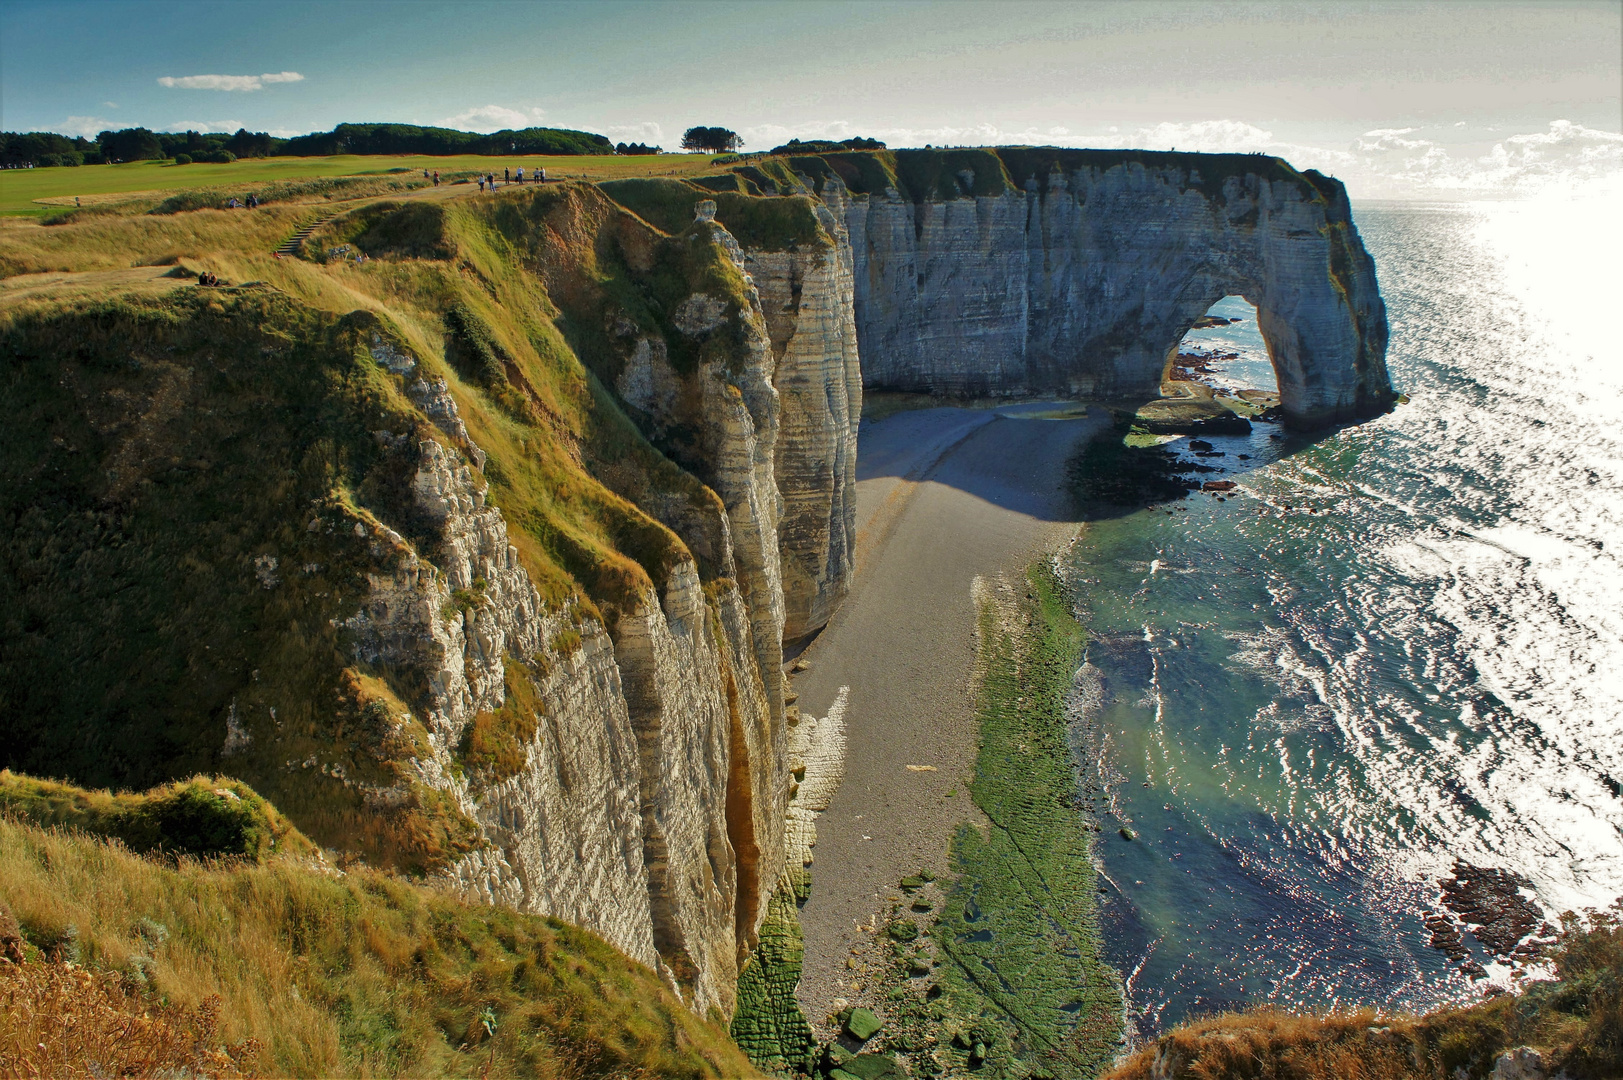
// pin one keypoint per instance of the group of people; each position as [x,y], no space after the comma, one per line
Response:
[235,203]
[206,278]
[537,176]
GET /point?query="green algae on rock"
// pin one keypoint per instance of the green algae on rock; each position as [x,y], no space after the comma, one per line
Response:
[768,1024]
[1019,931]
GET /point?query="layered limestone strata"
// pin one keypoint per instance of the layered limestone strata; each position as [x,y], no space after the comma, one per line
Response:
[566,832]
[654,792]
[807,299]
[1082,277]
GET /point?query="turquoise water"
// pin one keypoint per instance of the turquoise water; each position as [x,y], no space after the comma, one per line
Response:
[1393,647]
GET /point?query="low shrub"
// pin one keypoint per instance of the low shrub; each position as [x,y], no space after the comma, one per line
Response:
[60,1020]
[183,159]
[203,816]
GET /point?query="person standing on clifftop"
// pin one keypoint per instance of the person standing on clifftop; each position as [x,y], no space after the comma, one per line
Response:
[481,185]
[521,174]
[507,175]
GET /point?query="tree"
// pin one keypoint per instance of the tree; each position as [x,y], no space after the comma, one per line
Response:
[713,140]
[45,148]
[247,143]
[131,144]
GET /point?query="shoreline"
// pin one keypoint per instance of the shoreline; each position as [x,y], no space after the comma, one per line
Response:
[947,497]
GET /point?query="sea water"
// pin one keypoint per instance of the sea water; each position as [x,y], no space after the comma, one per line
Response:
[1394,646]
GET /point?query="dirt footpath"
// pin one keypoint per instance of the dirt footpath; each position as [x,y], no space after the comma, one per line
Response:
[943,495]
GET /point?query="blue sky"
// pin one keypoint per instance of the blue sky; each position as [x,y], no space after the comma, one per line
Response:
[1405,98]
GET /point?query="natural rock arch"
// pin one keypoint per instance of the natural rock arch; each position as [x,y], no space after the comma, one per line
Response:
[1081,278]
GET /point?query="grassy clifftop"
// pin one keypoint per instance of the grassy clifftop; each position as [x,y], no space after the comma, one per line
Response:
[935,175]
[196,484]
[284,968]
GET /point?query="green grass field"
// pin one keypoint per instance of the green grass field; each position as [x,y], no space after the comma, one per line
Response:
[39,191]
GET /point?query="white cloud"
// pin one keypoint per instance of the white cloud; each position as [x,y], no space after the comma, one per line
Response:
[205,127]
[488,118]
[645,132]
[245,83]
[1208,136]
[109,104]
[1565,156]
[87,126]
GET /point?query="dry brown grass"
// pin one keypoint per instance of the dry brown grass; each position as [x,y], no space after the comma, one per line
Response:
[117,242]
[60,1020]
[358,974]
[1574,1023]
[1273,1045]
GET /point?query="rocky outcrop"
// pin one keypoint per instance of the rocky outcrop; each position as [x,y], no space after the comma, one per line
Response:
[1078,272]
[564,834]
[679,709]
[630,767]
[654,791]
[807,299]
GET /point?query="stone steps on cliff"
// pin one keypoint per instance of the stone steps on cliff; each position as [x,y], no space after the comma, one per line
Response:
[291,245]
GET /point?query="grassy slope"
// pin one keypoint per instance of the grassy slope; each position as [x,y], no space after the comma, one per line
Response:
[201,817]
[20,189]
[1575,1023]
[771,224]
[359,974]
[937,174]
[162,443]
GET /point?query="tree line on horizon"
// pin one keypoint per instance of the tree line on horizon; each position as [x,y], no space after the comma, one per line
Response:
[44,148]
[50,149]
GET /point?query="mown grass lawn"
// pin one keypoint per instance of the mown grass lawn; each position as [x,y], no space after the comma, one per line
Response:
[39,191]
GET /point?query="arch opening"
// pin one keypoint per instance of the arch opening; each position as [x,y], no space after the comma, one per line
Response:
[1225,347]
[1225,354]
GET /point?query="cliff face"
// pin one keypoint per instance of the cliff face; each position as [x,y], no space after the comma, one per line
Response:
[807,298]
[1078,272]
[453,615]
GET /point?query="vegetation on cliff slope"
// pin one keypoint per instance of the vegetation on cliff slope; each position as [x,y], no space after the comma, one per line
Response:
[204,817]
[944,174]
[197,482]
[1573,1026]
[760,224]
[286,968]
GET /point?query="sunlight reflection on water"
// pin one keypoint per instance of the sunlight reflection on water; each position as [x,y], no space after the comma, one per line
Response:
[1404,645]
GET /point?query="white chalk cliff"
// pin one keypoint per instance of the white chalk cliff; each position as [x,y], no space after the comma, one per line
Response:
[1078,272]
[655,797]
